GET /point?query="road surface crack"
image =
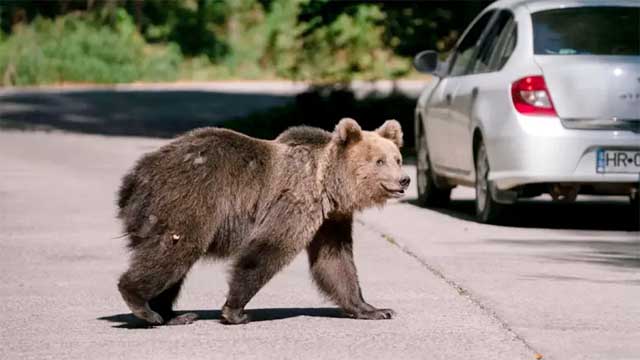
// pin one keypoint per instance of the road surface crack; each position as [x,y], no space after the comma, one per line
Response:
[456,286]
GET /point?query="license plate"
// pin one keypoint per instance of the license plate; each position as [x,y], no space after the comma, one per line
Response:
[618,161]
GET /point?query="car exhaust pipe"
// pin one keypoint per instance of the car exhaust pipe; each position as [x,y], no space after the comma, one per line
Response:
[564,192]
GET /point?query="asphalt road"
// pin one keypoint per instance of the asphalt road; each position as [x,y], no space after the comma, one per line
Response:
[160,110]
[560,281]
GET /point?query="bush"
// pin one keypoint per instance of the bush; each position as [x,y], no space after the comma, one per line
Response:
[75,48]
[350,45]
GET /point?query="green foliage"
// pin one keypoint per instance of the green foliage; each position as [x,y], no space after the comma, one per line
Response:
[274,39]
[349,45]
[190,24]
[74,48]
[262,42]
[427,24]
[323,41]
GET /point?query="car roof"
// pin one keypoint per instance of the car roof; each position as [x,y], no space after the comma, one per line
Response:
[537,5]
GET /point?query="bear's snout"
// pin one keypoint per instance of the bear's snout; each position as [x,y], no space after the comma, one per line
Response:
[405,180]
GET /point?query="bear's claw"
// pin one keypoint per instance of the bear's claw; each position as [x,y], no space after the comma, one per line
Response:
[233,316]
[377,314]
[149,316]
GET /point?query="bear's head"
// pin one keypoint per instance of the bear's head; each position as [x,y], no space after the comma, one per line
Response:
[370,162]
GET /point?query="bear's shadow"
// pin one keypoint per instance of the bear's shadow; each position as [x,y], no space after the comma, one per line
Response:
[128,321]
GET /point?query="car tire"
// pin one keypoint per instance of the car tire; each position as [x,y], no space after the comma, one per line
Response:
[488,211]
[634,201]
[429,193]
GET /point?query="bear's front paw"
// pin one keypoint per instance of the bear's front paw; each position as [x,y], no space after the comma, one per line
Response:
[233,316]
[377,314]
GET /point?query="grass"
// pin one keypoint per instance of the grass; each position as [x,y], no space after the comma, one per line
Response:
[74,48]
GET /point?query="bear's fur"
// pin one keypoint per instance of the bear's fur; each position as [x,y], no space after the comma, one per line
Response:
[217,193]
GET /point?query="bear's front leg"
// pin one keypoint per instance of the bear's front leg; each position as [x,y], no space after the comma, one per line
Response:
[331,261]
[255,266]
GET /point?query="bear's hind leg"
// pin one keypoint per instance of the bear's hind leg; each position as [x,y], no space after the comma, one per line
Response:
[153,281]
[163,305]
[163,302]
[136,301]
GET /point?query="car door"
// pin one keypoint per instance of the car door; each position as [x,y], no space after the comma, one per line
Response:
[441,131]
[478,77]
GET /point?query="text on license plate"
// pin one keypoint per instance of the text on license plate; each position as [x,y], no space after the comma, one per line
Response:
[618,161]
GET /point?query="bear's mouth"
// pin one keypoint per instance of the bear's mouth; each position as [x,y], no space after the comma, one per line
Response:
[395,193]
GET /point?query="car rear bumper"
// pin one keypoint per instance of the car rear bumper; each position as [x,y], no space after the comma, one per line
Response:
[533,150]
[507,181]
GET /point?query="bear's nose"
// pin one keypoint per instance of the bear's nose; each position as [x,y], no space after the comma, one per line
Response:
[405,180]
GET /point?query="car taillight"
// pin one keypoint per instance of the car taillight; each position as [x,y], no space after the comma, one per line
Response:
[531,96]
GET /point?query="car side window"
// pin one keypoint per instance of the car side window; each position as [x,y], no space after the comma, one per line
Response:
[467,48]
[506,44]
[491,43]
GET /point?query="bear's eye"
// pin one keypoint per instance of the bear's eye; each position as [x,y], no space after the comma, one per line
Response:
[380,162]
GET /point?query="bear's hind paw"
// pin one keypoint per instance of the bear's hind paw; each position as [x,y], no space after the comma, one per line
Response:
[148,315]
[183,319]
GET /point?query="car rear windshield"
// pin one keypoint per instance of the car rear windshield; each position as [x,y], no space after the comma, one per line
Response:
[587,31]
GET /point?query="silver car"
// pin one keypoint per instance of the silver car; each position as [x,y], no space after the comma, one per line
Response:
[537,97]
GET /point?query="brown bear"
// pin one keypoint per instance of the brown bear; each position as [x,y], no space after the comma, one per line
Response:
[218,193]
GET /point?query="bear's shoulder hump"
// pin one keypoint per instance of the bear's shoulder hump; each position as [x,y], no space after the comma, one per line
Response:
[304,135]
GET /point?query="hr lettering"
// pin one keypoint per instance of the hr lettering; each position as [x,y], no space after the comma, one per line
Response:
[621,159]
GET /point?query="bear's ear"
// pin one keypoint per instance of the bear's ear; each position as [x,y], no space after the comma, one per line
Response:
[391,130]
[347,131]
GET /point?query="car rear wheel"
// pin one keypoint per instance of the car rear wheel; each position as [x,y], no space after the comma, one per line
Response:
[429,193]
[634,200]
[487,210]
